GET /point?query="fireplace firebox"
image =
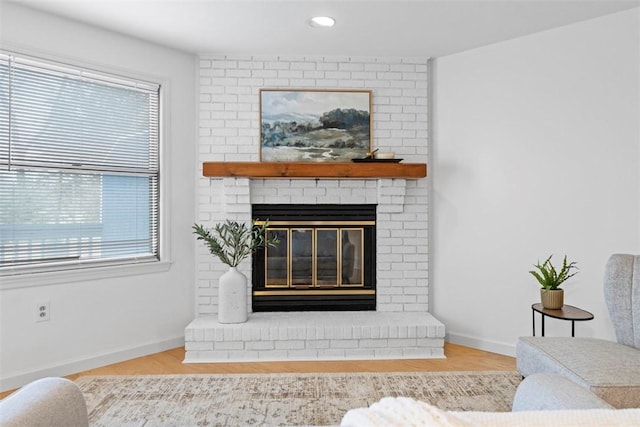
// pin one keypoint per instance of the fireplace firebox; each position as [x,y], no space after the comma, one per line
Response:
[326,259]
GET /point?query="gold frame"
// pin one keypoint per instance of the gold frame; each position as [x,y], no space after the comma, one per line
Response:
[361,266]
[312,100]
[290,277]
[288,283]
[316,292]
[260,223]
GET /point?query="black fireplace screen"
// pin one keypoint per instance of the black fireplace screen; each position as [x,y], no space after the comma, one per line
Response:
[325,259]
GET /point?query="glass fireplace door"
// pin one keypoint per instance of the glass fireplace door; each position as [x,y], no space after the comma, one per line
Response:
[302,257]
[315,257]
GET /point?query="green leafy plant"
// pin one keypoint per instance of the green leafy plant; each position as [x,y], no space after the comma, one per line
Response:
[232,242]
[550,277]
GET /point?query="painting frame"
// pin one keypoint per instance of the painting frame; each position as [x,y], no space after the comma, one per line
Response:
[315,125]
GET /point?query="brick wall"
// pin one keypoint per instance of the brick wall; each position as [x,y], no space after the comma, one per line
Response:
[230,131]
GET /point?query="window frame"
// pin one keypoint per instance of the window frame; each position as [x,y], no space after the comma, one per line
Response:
[19,276]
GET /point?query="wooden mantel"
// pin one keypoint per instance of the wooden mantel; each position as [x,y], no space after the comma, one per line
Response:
[301,170]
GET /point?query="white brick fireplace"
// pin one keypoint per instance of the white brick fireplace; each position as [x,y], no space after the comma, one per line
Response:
[401,326]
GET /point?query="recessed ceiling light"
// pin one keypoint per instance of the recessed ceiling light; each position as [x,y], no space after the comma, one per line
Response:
[322,21]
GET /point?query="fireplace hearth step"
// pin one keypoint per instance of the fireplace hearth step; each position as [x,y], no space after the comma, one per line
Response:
[300,336]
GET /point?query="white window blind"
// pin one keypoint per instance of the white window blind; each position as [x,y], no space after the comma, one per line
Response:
[79,166]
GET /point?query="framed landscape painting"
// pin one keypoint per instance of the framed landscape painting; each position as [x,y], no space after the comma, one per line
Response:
[314,125]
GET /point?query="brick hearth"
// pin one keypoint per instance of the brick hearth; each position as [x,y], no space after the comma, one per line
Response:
[316,336]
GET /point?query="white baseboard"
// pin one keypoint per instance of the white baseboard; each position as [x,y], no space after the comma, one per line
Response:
[16,381]
[481,344]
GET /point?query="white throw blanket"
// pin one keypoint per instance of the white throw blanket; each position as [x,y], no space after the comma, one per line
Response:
[400,411]
[407,412]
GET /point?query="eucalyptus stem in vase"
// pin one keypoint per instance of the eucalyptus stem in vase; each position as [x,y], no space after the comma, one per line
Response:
[232,242]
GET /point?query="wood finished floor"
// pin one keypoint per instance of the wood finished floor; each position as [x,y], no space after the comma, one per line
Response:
[458,358]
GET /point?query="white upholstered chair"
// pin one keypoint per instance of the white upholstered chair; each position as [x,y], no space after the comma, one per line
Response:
[610,370]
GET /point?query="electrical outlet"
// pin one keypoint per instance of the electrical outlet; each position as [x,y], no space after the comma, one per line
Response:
[43,312]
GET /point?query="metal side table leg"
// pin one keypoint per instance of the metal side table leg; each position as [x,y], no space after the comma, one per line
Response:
[533,321]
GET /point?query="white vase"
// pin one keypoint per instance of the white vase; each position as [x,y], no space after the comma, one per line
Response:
[232,297]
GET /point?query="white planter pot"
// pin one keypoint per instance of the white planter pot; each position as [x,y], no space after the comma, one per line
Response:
[232,297]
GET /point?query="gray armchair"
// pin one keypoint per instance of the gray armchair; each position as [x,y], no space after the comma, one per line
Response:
[610,370]
[48,402]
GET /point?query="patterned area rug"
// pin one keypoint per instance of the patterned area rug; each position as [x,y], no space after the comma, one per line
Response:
[281,399]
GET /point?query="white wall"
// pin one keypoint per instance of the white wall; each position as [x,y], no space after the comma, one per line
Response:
[536,151]
[99,321]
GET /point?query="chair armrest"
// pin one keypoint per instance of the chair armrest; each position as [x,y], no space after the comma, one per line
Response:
[544,391]
[48,402]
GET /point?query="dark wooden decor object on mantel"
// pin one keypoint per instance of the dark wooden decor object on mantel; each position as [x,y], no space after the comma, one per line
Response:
[314,170]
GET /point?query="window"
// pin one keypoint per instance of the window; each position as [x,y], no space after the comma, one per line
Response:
[79,167]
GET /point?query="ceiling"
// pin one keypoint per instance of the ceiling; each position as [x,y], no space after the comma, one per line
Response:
[417,28]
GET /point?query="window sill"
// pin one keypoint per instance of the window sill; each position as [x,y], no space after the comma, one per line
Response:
[57,277]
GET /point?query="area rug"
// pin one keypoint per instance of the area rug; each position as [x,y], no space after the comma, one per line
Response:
[281,399]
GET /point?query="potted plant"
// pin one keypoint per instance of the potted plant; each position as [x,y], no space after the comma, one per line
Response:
[232,242]
[550,278]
